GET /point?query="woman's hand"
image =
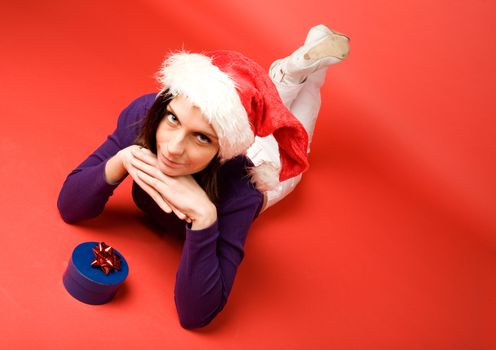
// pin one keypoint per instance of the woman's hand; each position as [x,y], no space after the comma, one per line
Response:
[126,157]
[181,192]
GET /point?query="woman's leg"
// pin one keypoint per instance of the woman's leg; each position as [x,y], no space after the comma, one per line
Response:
[298,79]
[305,106]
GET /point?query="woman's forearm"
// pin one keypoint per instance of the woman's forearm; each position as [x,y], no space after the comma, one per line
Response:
[84,193]
[89,186]
[200,293]
[209,262]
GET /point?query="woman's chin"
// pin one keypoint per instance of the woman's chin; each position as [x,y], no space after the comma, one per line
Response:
[169,171]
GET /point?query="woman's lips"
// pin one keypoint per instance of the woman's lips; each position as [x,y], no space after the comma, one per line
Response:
[169,162]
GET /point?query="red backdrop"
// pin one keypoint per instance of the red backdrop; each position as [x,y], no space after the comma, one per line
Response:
[389,241]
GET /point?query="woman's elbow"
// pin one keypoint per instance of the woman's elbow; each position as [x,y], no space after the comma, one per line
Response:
[191,317]
[71,213]
[64,211]
[67,215]
[192,323]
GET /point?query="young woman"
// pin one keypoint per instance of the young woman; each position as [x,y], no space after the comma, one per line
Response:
[219,144]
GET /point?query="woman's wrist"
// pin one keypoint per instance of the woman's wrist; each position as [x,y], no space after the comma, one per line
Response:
[114,170]
[206,219]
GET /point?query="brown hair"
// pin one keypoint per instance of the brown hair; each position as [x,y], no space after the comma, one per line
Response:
[206,178]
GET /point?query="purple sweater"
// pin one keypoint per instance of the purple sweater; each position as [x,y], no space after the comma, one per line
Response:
[210,256]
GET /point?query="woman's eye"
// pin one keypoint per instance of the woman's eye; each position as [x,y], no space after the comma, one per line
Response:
[172,118]
[203,138]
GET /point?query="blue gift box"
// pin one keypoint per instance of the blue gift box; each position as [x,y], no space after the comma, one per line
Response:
[90,284]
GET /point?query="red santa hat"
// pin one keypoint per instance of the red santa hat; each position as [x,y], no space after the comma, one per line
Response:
[240,101]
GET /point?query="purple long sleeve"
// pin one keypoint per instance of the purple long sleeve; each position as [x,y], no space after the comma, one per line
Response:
[85,190]
[211,256]
[210,260]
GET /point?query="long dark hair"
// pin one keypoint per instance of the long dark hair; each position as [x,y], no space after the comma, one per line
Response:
[207,178]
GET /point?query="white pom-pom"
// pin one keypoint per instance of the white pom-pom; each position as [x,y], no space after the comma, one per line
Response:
[265,176]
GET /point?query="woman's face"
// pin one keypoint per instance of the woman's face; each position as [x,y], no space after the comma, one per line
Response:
[186,142]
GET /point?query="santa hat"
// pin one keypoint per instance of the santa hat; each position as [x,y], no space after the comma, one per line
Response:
[240,101]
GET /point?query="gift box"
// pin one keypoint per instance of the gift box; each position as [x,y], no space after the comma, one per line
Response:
[95,273]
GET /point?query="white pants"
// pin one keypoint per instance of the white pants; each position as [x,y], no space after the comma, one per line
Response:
[303,100]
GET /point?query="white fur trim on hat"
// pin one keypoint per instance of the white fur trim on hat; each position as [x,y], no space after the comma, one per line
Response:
[265,176]
[195,77]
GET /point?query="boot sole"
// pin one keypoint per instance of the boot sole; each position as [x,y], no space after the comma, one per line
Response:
[332,45]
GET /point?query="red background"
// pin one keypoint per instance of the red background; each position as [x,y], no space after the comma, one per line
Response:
[388,242]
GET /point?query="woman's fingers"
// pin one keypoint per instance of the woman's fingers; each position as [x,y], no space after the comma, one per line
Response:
[147,165]
[152,186]
[156,196]
[162,203]
[153,194]
[152,178]
[153,183]
[145,155]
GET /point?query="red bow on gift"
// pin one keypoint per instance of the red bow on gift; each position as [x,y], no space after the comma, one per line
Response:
[105,258]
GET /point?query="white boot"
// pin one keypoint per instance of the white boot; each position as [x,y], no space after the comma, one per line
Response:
[322,48]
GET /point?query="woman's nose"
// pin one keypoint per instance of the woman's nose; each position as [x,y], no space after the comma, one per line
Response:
[175,145]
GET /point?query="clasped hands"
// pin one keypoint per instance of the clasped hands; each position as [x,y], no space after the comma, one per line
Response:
[179,194]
